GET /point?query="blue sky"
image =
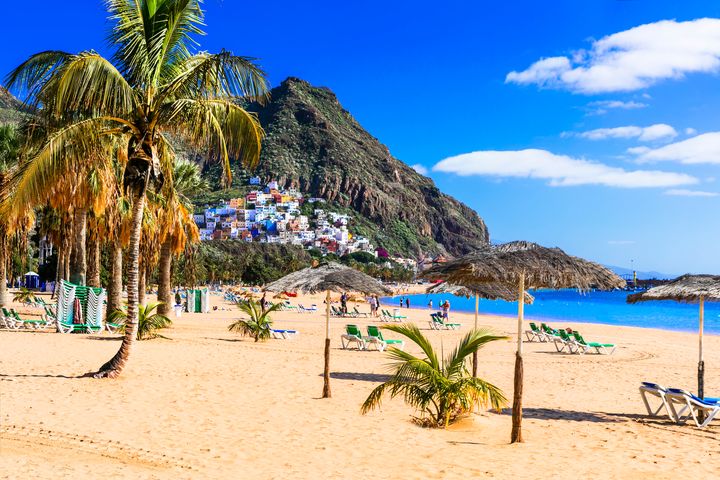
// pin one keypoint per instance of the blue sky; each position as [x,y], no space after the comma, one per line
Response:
[558,152]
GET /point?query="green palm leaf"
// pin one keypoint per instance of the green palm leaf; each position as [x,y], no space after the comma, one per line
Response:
[442,392]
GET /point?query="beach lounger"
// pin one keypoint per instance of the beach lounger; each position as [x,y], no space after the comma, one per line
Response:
[648,388]
[693,405]
[535,334]
[584,347]
[358,312]
[550,333]
[375,337]
[437,322]
[565,342]
[352,335]
[282,334]
[8,322]
[393,317]
[23,322]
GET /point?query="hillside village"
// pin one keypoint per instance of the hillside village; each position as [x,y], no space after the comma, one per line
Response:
[274,215]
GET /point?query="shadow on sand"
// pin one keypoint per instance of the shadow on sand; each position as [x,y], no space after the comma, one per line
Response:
[363,377]
[570,415]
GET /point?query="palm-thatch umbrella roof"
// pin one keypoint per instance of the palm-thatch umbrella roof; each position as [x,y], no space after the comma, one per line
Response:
[328,277]
[688,289]
[538,266]
[489,291]
[521,265]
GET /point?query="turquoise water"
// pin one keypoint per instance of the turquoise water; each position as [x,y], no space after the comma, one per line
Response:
[592,307]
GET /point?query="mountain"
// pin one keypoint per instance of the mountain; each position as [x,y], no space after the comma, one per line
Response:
[315,145]
[10,107]
[652,275]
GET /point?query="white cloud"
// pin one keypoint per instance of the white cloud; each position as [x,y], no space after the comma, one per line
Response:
[632,59]
[645,134]
[560,170]
[703,148]
[601,106]
[681,192]
[621,242]
[690,131]
[419,168]
[638,150]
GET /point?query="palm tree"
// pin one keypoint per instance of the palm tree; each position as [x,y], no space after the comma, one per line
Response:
[9,148]
[259,325]
[442,389]
[154,86]
[178,226]
[149,321]
[24,295]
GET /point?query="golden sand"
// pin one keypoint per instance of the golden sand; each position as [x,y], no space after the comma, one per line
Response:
[210,404]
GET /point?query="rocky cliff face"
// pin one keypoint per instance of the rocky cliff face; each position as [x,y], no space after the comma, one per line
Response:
[10,107]
[315,145]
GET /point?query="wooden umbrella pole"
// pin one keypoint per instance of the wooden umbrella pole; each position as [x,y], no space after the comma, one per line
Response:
[516,434]
[475,353]
[701,363]
[326,372]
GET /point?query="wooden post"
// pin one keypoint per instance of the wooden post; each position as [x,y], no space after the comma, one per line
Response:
[701,363]
[516,434]
[477,308]
[326,372]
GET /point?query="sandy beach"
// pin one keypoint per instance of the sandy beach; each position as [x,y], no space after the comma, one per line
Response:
[206,403]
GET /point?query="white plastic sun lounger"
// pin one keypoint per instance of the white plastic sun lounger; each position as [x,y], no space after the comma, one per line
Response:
[693,406]
[282,334]
[648,388]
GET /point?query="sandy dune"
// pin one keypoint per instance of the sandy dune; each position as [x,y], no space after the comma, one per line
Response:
[209,404]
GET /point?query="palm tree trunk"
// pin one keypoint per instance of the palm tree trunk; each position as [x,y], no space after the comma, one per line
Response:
[164,283]
[115,366]
[3,273]
[326,371]
[78,258]
[141,286]
[516,434]
[93,262]
[114,293]
[59,268]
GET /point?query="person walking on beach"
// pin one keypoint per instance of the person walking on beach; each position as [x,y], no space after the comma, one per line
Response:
[373,306]
[263,302]
[446,310]
[377,305]
[343,302]
[407,302]
[401,302]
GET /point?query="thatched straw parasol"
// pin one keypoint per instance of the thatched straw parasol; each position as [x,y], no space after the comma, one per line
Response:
[688,289]
[520,266]
[328,277]
[488,291]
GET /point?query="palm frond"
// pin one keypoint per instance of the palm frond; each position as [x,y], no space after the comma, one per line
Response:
[34,179]
[33,73]
[443,392]
[219,75]
[224,128]
[89,84]
[411,331]
[473,341]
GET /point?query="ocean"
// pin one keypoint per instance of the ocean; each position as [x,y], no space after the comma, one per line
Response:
[560,306]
